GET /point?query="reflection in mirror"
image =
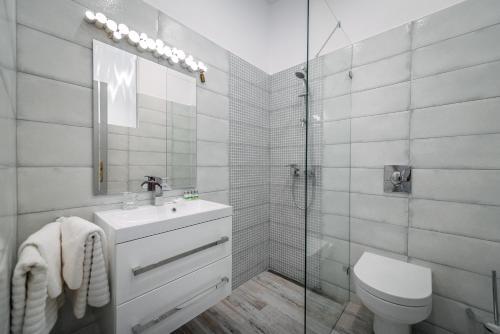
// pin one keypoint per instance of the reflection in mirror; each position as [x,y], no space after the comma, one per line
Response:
[144,122]
[181,130]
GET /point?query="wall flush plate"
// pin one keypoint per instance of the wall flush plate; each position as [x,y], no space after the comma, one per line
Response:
[397,179]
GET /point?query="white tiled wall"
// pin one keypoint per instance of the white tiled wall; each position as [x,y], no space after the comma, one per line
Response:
[8,197]
[424,94]
[54,125]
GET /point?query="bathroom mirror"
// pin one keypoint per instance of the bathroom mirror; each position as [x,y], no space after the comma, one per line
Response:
[144,122]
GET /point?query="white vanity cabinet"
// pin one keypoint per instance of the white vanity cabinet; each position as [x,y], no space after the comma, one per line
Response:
[167,264]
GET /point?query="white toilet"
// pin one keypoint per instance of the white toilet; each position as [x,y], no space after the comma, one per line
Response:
[398,293]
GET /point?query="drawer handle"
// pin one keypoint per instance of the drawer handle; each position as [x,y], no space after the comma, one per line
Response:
[141,270]
[141,327]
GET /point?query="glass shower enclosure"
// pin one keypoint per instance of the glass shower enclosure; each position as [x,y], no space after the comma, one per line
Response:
[326,180]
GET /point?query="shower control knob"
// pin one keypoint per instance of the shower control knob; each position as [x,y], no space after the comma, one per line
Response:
[396,178]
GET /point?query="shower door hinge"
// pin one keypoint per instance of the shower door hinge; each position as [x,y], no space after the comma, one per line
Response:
[350,74]
[347,270]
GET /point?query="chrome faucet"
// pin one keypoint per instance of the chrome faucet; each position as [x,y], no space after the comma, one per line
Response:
[154,185]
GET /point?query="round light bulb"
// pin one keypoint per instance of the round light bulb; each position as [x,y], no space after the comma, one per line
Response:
[117,36]
[159,52]
[133,37]
[100,20]
[143,36]
[110,26]
[181,55]
[159,43]
[193,67]
[173,59]
[167,52]
[142,46]
[202,67]
[151,44]
[89,16]
[123,29]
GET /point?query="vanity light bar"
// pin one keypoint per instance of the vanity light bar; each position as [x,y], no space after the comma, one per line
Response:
[143,43]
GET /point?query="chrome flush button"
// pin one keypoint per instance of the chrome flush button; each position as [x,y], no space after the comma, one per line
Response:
[397,179]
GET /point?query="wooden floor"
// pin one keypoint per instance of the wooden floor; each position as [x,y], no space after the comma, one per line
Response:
[270,304]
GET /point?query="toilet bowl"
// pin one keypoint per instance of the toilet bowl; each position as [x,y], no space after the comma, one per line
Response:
[398,293]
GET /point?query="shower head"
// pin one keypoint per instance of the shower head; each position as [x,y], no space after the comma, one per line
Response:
[300,74]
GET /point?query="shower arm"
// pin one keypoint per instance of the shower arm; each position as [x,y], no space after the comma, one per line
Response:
[328,39]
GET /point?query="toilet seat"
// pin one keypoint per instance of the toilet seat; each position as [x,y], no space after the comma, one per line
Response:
[394,281]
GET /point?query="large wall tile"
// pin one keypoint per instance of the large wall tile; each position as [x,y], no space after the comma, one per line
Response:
[60,18]
[212,154]
[380,128]
[46,100]
[452,316]
[336,108]
[8,203]
[336,155]
[53,188]
[54,58]
[212,104]
[335,202]
[392,210]
[467,118]
[8,136]
[381,100]
[379,235]
[8,93]
[336,132]
[334,273]
[8,38]
[475,255]
[478,151]
[336,85]
[213,179]
[217,81]
[216,196]
[335,178]
[378,154]
[177,34]
[212,129]
[388,43]
[473,186]
[31,222]
[335,226]
[472,83]
[40,144]
[336,61]
[385,72]
[335,250]
[478,221]
[456,20]
[460,285]
[370,181]
[467,50]
[135,13]
[356,250]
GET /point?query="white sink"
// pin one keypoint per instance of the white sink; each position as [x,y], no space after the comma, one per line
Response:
[149,220]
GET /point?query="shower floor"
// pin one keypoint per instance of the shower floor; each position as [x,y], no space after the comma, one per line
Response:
[270,304]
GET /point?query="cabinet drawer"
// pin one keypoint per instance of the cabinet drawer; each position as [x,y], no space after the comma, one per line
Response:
[145,264]
[170,306]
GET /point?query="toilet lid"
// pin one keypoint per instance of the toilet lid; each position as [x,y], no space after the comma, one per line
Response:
[394,281]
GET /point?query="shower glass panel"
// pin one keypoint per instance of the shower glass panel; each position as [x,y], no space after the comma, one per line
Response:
[326,180]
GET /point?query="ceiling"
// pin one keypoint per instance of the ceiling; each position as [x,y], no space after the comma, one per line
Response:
[272,34]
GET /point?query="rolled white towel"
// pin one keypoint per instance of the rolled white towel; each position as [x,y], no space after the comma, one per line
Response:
[37,282]
[84,263]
